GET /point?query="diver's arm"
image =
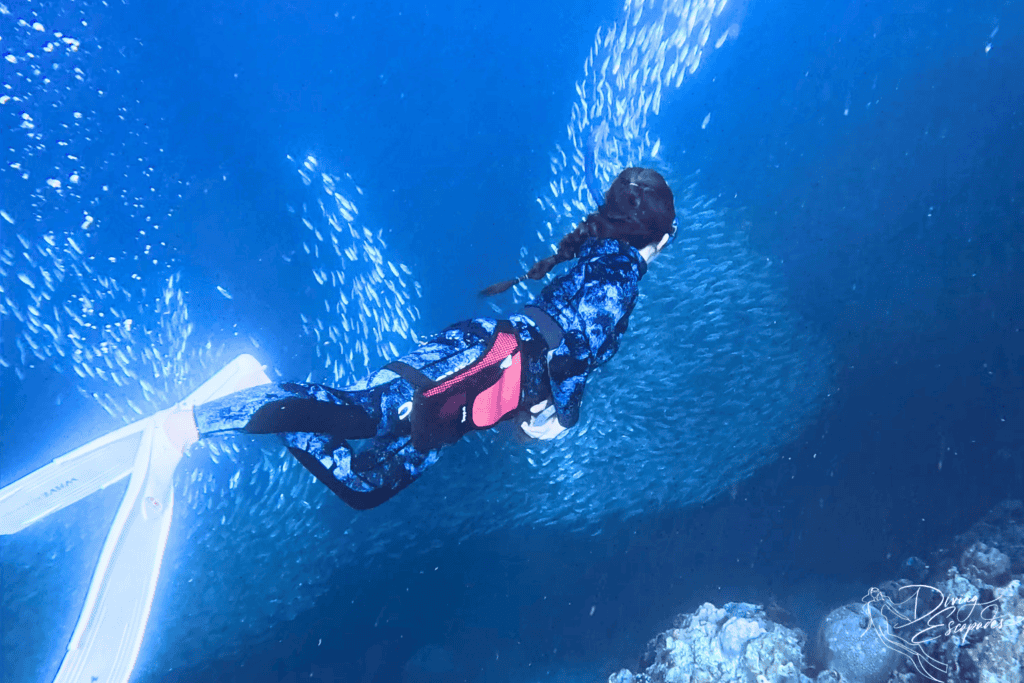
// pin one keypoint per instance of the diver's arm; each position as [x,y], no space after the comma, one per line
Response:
[568,368]
[592,321]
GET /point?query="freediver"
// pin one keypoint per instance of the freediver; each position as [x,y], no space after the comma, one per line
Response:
[531,368]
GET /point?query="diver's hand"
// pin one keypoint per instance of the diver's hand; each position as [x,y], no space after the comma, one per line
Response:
[652,250]
[543,424]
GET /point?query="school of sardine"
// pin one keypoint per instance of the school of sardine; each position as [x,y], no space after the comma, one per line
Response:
[367,310]
[712,378]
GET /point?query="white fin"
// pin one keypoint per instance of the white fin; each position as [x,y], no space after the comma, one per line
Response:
[103,461]
[107,638]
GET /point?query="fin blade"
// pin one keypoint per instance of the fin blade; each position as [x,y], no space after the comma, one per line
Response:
[101,462]
[69,478]
[106,642]
[108,636]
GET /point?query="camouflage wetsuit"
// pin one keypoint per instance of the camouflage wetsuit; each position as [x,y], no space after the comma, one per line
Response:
[569,329]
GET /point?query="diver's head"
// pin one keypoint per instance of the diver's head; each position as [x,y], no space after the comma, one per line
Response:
[640,207]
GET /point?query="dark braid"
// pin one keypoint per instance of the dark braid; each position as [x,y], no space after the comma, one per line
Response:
[638,208]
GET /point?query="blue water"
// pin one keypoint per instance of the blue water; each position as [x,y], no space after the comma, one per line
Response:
[854,170]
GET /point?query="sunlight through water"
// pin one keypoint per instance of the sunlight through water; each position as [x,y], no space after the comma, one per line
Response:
[714,377]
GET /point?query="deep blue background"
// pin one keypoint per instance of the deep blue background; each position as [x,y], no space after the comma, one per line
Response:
[897,228]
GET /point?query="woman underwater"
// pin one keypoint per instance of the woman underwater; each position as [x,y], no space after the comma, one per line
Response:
[531,368]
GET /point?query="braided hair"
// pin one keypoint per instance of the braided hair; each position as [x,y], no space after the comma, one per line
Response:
[638,209]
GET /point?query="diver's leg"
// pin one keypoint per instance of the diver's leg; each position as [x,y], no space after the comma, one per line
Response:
[277,409]
[313,408]
[362,480]
[385,468]
[329,459]
[389,463]
[314,421]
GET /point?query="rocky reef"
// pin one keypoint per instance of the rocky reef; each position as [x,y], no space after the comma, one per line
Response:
[736,642]
[956,618]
